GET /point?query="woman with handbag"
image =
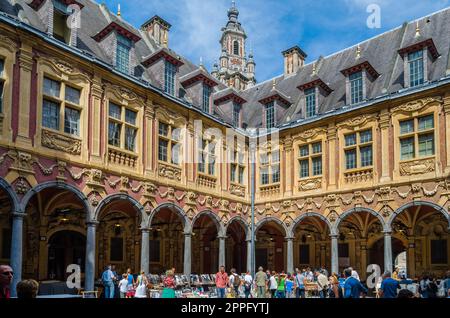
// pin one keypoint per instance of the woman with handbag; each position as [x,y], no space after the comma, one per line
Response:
[169,285]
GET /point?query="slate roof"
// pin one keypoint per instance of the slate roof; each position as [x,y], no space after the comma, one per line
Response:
[381,52]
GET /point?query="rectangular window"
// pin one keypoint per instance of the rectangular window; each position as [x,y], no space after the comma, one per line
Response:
[6,243]
[163,130]
[310,98]
[122,119]
[2,84]
[417,138]
[162,150]
[265,176]
[439,252]
[206,98]
[123,54]
[350,159]
[72,121]
[207,157]
[270,115]
[310,160]
[359,150]
[73,95]
[114,131]
[52,88]
[304,169]
[356,87]
[169,78]
[236,114]
[233,173]
[407,148]
[344,250]
[241,175]
[50,115]
[416,69]
[366,156]
[116,251]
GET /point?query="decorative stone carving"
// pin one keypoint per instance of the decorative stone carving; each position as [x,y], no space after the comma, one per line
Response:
[122,158]
[311,184]
[237,190]
[311,133]
[357,121]
[359,176]
[169,172]
[22,186]
[61,142]
[417,104]
[417,167]
[62,166]
[206,181]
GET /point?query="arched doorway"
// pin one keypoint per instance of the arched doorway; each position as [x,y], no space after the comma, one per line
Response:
[205,244]
[65,248]
[356,229]
[51,208]
[6,208]
[166,240]
[270,247]
[236,247]
[424,226]
[312,243]
[118,234]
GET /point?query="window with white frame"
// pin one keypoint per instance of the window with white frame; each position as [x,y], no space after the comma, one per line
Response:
[207,157]
[417,138]
[270,115]
[169,144]
[61,107]
[206,98]
[237,167]
[2,83]
[310,160]
[270,167]
[122,129]
[310,100]
[169,78]
[359,150]
[123,54]
[416,68]
[356,87]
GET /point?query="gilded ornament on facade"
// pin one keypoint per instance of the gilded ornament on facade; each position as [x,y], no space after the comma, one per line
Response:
[417,104]
[308,185]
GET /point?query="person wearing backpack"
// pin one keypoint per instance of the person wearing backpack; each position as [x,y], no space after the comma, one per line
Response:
[432,288]
[235,282]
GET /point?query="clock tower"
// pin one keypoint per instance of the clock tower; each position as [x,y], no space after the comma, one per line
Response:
[235,69]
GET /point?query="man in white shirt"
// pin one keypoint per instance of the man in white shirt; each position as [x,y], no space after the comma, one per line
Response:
[248,282]
[273,284]
[355,274]
[323,284]
[123,286]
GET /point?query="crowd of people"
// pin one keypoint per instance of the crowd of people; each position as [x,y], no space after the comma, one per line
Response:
[265,284]
[270,284]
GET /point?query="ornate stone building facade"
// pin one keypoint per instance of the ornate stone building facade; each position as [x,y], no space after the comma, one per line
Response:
[101,161]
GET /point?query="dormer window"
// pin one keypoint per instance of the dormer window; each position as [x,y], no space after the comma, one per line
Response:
[169,78]
[123,53]
[236,114]
[416,69]
[61,31]
[356,87]
[418,59]
[206,98]
[311,102]
[270,115]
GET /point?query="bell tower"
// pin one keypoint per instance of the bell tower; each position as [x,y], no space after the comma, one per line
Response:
[235,70]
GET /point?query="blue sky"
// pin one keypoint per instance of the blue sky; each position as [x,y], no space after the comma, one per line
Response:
[319,27]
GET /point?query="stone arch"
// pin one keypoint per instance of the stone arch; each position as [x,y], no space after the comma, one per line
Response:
[15,203]
[415,204]
[240,220]
[299,220]
[116,197]
[58,185]
[178,210]
[261,223]
[215,218]
[335,229]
